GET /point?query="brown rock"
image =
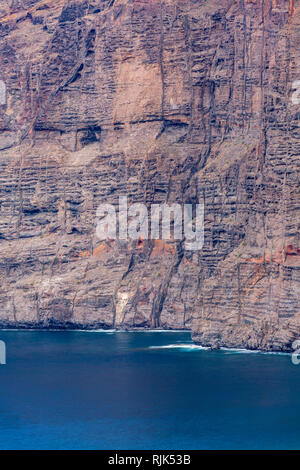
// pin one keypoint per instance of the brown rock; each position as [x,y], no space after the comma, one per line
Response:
[163,101]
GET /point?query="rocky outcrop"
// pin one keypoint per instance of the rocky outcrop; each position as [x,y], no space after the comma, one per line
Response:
[163,101]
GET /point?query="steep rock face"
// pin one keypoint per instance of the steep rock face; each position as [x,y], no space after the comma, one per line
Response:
[163,101]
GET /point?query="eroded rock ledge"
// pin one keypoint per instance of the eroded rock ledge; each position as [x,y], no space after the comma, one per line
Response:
[163,101]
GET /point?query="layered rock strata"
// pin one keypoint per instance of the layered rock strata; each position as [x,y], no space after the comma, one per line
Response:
[163,101]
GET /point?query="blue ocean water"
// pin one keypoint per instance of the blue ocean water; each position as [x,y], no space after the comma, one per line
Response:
[132,390]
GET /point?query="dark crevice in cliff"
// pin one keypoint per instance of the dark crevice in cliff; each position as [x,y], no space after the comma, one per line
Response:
[245,63]
[199,95]
[90,135]
[124,275]
[159,299]
[161,60]
[168,124]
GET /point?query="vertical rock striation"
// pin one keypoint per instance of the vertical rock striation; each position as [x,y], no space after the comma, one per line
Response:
[163,101]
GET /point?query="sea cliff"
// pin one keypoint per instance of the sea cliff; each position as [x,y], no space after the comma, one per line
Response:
[162,101]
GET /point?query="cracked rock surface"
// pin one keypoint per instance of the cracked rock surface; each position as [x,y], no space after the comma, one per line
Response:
[163,101]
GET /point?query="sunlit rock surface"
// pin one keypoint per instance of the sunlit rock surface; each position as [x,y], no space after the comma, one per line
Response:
[163,101]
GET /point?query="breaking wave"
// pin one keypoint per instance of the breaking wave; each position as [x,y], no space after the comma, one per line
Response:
[195,347]
[187,347]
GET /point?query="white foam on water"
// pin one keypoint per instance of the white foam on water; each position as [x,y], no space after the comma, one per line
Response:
[99,330]
[154,331]
[33,329]
[188,347]
[195,347]
[96,331]
[184,346]
[253,351]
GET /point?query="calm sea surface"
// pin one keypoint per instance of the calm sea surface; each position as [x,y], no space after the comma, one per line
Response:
[154,390]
